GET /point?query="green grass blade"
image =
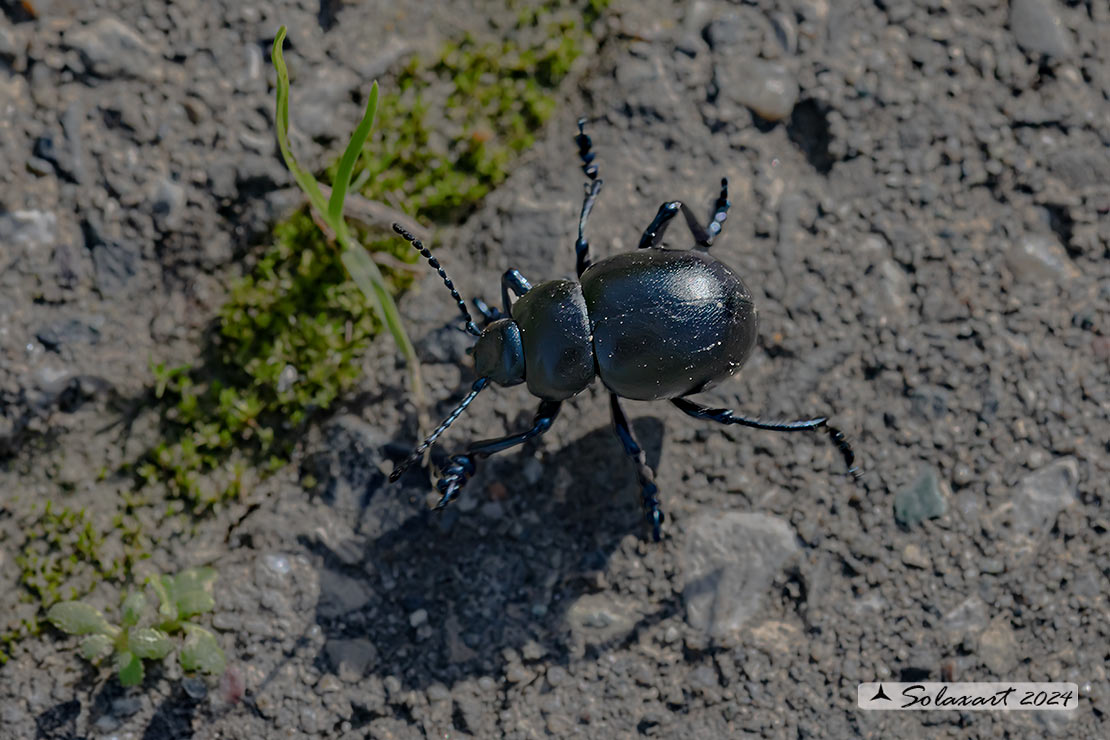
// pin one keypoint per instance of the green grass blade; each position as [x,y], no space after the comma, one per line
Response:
[362,269]
[281,115]
[350,156]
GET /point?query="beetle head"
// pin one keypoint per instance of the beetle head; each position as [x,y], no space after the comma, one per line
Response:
[499,353]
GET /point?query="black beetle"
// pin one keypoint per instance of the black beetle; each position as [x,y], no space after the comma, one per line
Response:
[652,324]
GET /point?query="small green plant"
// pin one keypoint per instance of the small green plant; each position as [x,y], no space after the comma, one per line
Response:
[361,268]
[137,638]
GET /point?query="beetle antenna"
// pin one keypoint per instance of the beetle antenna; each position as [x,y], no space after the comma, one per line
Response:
[419,451]
[419,246]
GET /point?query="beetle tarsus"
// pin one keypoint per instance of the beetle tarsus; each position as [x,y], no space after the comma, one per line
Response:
[489,313]
[720,213]
[845,449]
[455,476]
[461,467]
[584,144]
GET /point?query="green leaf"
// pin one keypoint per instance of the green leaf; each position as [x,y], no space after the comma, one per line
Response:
[191,603]
[167,607]
[350,157]
[150,643]
[133,607]
[95,647]
[76,618]
[201,652]
[130,669]
[194,579]
[281,114]
[191,591]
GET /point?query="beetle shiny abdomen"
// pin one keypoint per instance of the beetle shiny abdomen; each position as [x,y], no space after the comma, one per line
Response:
[667,323]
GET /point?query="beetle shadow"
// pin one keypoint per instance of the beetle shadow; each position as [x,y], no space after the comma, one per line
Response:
[453,591]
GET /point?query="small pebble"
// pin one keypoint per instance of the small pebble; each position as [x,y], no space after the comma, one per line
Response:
[993,566]
[1038,27]
[913,556]
[437,692]
[922,499]
[768,88]
[532,650]
[516,673]
[556,675]
[493,510]
[195,688]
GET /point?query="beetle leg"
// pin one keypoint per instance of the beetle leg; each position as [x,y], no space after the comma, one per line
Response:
[649,491]
[653,234]
[489,313]
[593,187]
[517,283]
[460,468]
[726,416]
[582,247]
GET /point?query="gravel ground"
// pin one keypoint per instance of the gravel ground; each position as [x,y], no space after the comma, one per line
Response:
[920,196]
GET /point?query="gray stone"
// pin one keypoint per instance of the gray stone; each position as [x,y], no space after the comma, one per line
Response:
[728,563]
[167,204]
[340,594]
[67,332]
[126,706]
[998,647]
[30,229]
[12,44]
[110,48]
[1038,27]
[1080,168]
[915,557]
[351,658]
[115,262]
[734,31]
[70,158]
[768,88]
[1037,500]
[493,510]
[923,499]
[516,673]
[969,617]
[194,687]
[1035,257]
[602,617]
